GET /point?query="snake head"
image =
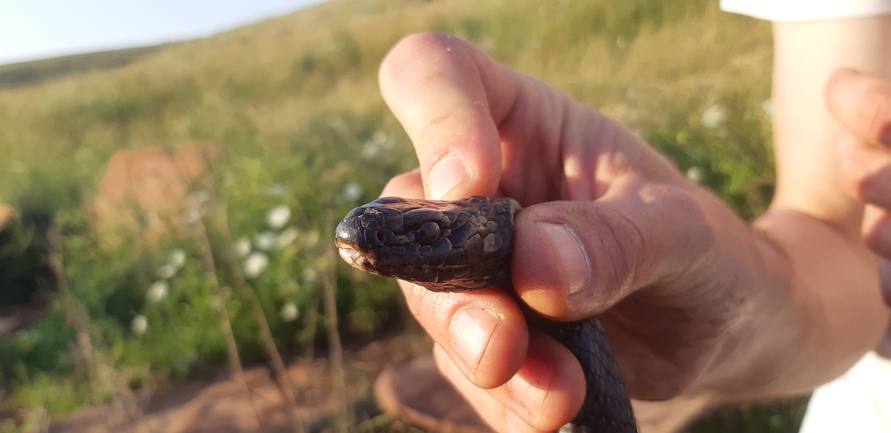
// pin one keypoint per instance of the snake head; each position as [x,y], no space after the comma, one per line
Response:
[442,245]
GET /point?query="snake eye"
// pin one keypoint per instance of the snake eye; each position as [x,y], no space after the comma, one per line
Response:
[427,233]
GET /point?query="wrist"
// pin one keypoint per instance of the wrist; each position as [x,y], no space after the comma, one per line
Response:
[813,309]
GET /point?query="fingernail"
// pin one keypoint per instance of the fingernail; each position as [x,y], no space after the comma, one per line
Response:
[530,386]
[471,329]
[445,175]
[572,256]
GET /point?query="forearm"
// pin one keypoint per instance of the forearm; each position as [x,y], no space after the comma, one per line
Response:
[820,303]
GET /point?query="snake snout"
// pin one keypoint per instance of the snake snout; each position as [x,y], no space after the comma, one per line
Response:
[355,241]
[350,256]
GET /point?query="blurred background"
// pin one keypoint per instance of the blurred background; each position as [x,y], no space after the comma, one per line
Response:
[170,176]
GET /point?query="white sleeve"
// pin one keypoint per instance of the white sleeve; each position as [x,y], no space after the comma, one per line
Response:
[807,10]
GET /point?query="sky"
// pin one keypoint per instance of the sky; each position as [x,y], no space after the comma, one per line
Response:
[37,29]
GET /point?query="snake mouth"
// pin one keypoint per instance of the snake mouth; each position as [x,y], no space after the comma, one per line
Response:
[347,239]
[353,257]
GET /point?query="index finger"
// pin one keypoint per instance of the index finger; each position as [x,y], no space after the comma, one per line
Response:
[449,97]
[862,104]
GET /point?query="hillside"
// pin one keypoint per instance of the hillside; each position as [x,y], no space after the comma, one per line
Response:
[293,103]
[39,71]
[632,61]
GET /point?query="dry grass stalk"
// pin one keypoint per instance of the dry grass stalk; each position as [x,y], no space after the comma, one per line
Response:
[275,358]
[344,421]
[103,376]
[236,371]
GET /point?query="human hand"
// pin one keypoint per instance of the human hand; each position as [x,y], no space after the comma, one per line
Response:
[610,228]
[862,104]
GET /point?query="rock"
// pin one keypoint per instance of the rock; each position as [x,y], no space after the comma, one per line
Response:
[146,192]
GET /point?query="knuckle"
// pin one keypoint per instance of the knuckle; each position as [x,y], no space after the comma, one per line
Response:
[874,241]
[627,250]
[618,247]
[876,235]
[862,186]
[869,187]
[874,112]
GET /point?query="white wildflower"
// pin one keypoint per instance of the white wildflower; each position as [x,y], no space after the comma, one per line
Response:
[352,191]
[382,140]
[265,241]
[177,258]
[166,272]
[289,312]
[309,276]
[197,199]
[139,324]
[278,216]
[202,196]
[696,174]
[276,189]
[157,291]
[767,108]
[370,149]
[288,236]
[714,116]
[192,216]
[242,246]
[255,264]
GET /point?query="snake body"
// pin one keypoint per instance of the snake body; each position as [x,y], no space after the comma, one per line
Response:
[465,245]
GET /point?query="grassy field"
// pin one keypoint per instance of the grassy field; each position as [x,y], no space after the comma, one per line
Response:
[293,102]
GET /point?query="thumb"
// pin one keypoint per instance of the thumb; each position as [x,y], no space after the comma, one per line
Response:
[575,259]
[449,96]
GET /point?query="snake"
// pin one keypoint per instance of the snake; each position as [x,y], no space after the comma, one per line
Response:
[464,246]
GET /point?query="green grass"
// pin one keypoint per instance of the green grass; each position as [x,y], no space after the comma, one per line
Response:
[293,102]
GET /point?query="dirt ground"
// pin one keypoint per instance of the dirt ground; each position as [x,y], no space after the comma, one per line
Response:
[223,405]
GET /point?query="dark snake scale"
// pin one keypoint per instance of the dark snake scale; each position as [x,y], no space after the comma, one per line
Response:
[465,245]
